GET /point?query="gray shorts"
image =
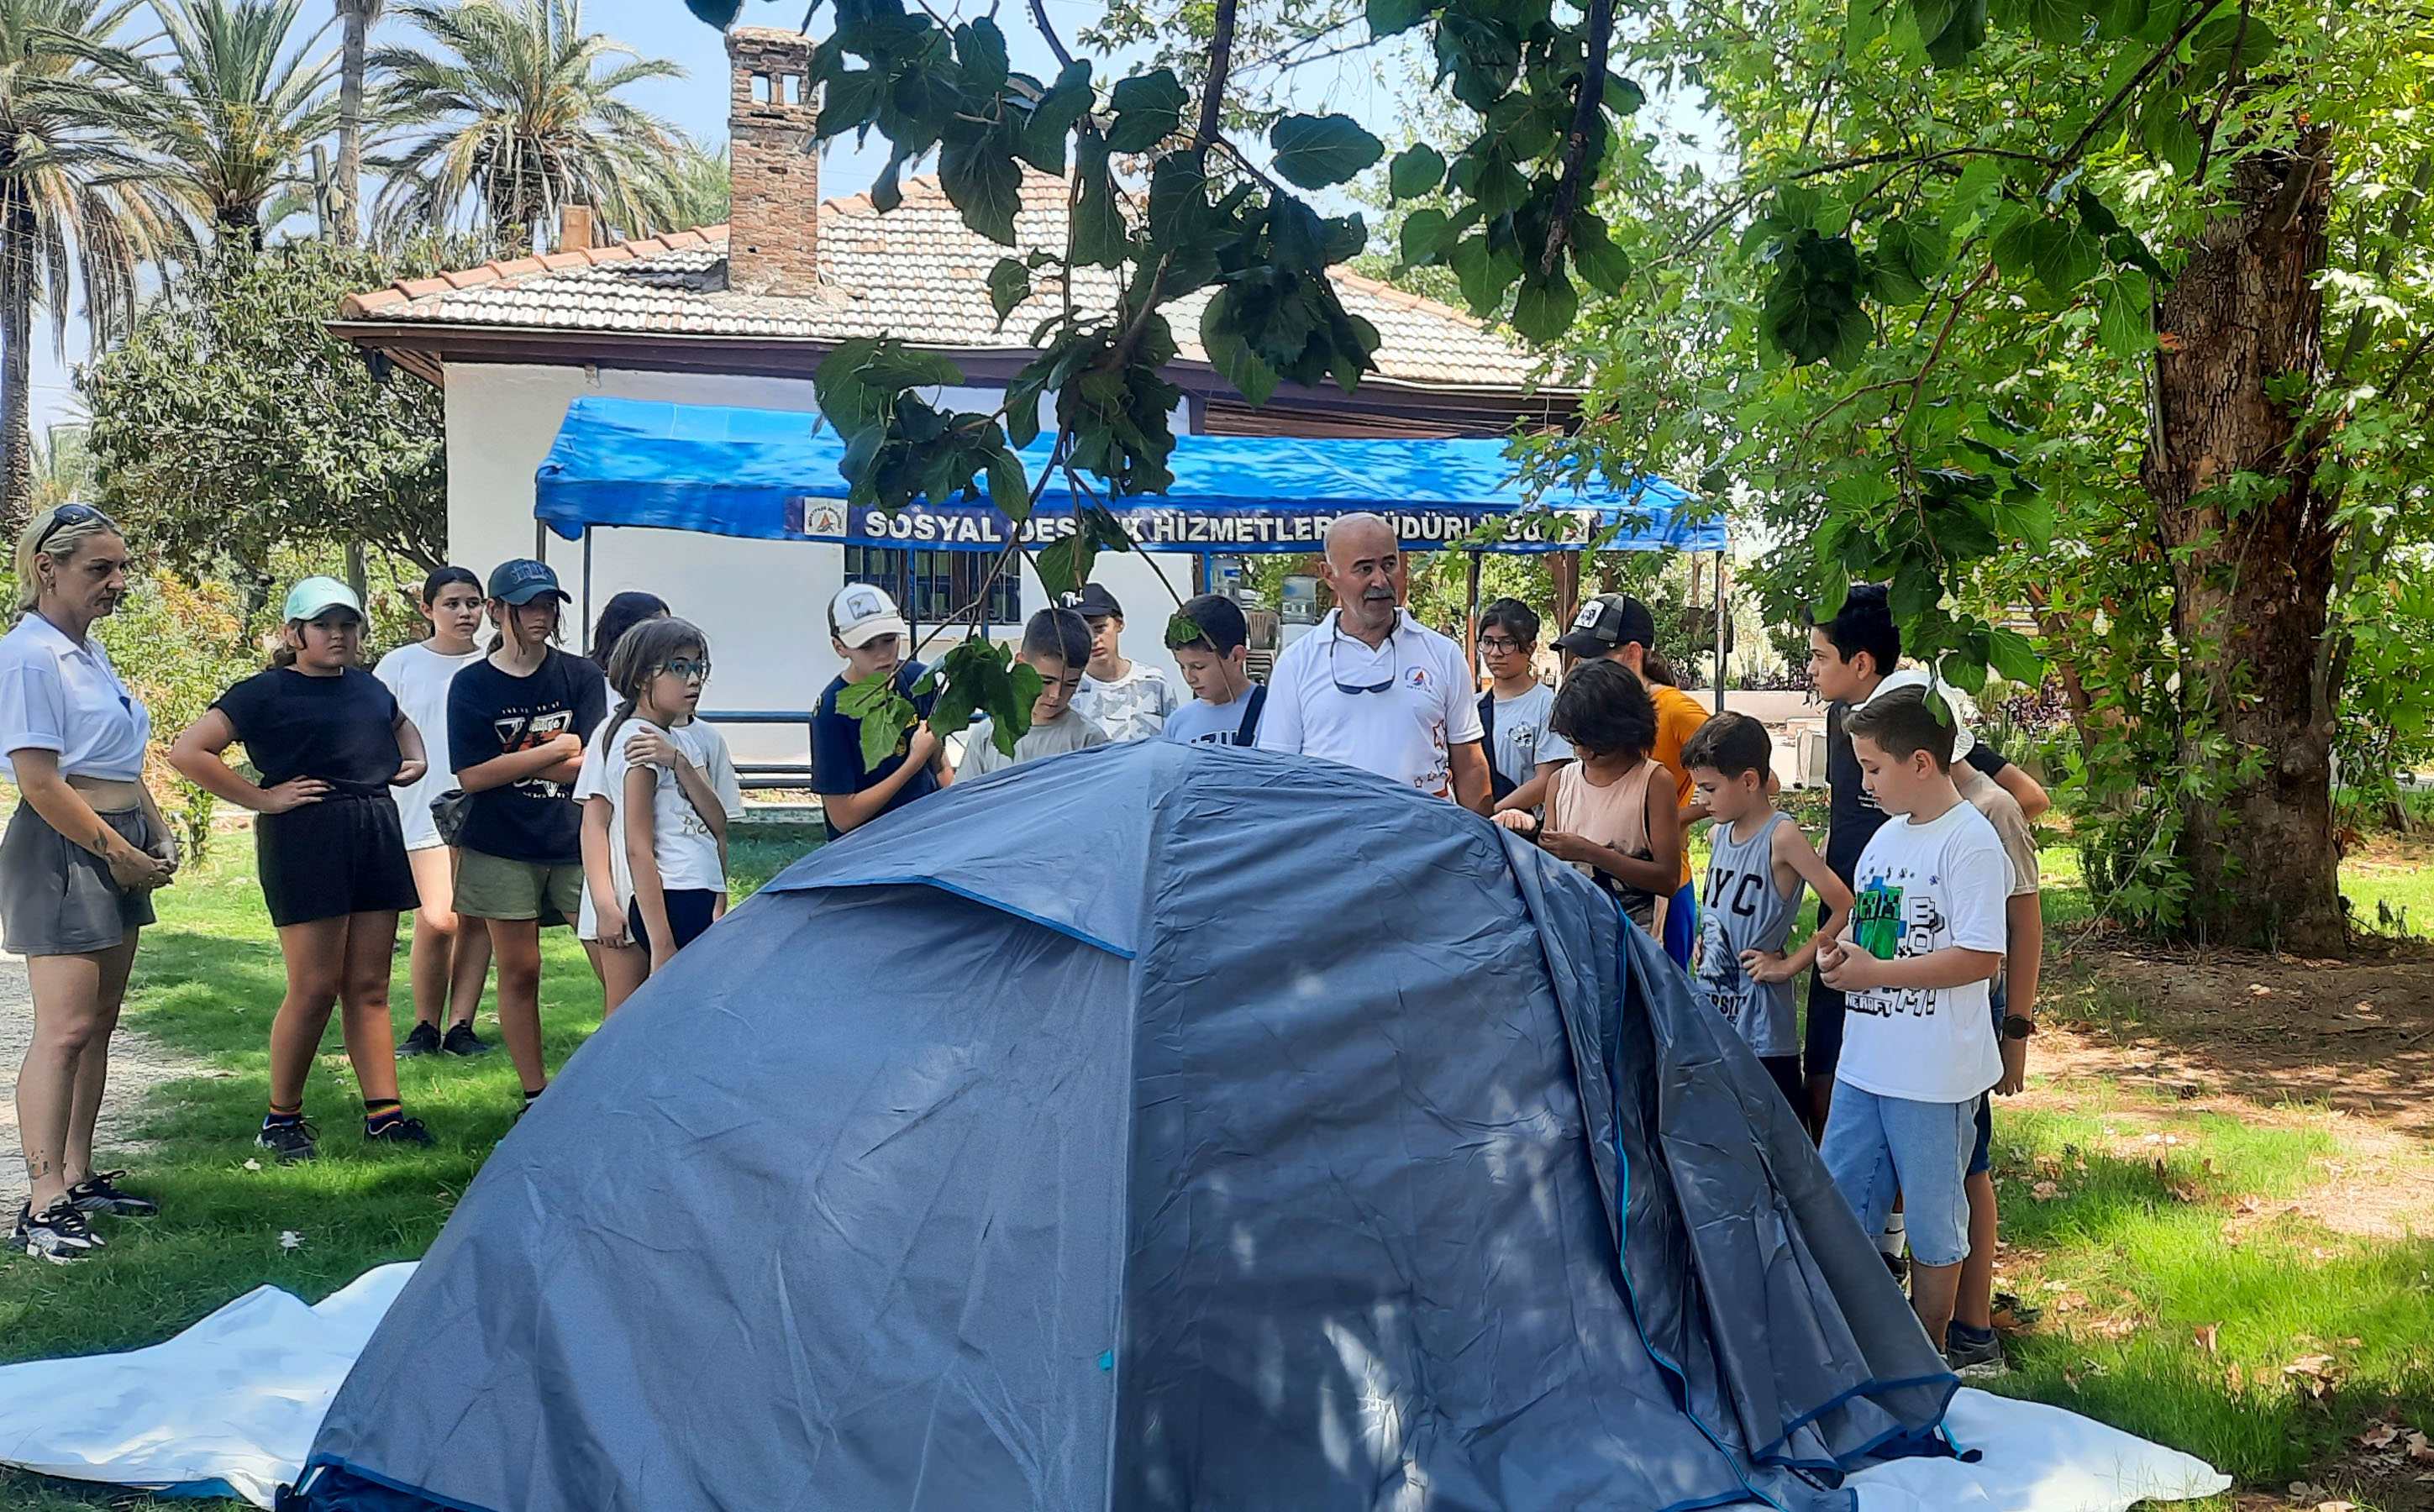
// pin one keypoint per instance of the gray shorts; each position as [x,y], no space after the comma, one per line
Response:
[58,898]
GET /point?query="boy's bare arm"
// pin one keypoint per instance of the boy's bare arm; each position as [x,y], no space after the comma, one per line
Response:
[1792,849]
[1847,969]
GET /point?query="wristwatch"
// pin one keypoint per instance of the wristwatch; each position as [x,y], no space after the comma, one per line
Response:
[2018,1027]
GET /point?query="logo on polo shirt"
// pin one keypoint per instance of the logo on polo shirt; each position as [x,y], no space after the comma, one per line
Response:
[1417,678]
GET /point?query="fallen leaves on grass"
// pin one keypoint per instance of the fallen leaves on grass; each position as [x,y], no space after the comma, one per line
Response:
[290,1239]
[2315,1374]
[2043,1191]
[2207,1336]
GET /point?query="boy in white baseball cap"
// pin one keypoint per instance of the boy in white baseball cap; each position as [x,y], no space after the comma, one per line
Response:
[869,633]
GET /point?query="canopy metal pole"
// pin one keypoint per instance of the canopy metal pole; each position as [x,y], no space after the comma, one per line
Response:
[540,542]
[587,583]
[1470,617]
[1566,569]
[1719,629]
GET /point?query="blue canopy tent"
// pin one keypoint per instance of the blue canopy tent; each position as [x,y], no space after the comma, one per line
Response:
[777,475]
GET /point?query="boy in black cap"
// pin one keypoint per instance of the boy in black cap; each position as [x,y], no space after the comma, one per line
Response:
[1123,698]
[1225,707]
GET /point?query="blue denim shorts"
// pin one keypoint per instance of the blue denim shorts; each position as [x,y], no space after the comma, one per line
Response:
[1878,1149]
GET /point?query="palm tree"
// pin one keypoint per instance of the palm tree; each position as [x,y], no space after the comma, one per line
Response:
[248,102]
[355,18]
[698,192]
[76,201]
[522,122]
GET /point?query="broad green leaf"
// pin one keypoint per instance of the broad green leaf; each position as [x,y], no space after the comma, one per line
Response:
[1545,307]
[1064,566]
[2210,49]
[1424,236]
[980,50]
[1148,108]
[2063,23]
[2164,130]
[2066,255]
[1623,97]
[1964,33]
[1099,239]
[1010,716]
[1417,170]
[1183,630]
[1053,117]
[1601,265]
[2015,241]
[2122,327]
[719,14]
[984,184]
[2012,656]
[2119,18]
[1009,486]
[1387,17]
[1009,285]
[1315,151]
[1230,352]
[1864,22]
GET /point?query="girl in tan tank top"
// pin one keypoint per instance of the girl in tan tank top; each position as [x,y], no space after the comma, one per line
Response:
[1604,812]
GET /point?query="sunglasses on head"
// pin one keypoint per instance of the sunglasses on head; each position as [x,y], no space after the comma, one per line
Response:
[67,515]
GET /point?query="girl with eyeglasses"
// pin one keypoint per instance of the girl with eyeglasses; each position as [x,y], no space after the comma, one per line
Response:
[658,809]
[82,854]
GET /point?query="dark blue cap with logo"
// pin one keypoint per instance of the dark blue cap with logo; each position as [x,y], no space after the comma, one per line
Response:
[524,580]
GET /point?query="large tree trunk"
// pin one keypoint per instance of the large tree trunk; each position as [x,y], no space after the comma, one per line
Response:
[355,17]
[2253,567]
[17,274]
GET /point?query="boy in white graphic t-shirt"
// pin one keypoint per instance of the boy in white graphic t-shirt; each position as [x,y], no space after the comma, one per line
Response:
[1926,937]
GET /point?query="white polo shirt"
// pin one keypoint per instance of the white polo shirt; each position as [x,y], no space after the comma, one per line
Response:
[56,695]
[1423,707]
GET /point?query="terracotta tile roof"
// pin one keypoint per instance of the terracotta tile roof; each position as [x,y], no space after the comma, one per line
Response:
[915,273]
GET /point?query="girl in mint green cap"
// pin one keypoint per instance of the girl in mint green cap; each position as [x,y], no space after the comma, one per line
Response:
[329,743]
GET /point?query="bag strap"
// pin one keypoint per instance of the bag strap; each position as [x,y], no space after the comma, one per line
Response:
[1500,786]
[1247,732]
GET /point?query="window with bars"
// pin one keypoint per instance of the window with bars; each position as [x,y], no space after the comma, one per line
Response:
[930,585]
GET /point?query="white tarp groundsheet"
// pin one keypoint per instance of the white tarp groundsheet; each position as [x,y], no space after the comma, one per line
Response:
[231,1406]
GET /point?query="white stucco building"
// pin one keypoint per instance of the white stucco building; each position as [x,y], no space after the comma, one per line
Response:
[742,317]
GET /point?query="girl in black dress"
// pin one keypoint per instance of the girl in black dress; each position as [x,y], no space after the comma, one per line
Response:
[329,741]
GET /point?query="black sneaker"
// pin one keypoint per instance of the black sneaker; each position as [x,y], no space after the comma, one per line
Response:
[1899,1265]
[461,1040]
[99,1194]
[1974,1356]
[289,1142]
[423,1039]
[59,1235]
[398,1132]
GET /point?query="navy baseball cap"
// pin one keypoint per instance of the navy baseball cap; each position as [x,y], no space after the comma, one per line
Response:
[1093,602]
[524,580]
[1609,620]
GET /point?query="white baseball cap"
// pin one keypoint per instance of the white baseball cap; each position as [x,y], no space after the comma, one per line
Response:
[860,613]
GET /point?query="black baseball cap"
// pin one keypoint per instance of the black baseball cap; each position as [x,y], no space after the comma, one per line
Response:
[1093,602]
[1609,620]
[1221,623]
[522,581]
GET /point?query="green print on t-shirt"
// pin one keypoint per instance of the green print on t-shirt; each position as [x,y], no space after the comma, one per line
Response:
[1878,914]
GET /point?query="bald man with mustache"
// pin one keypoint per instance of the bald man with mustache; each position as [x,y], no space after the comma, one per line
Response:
[1373,688]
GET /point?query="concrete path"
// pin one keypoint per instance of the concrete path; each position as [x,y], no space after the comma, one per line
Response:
[136,1066]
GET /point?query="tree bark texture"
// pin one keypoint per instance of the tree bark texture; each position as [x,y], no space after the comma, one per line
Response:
[2252,579]
[18,273]
[355,19]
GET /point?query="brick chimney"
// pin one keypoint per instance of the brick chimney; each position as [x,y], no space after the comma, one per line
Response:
[774,214]
[574,234]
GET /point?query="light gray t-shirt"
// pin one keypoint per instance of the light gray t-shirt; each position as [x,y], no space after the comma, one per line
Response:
[1523,737]
[1211,724]
[1740,910]
[1069,731]
[1132,708]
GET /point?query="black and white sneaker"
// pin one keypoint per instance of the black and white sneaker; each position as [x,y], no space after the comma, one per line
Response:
[423,1039]
[398,1132]
[461,1040]
[60,1234]
[289,1142]
[99,1194]
[1974,1356]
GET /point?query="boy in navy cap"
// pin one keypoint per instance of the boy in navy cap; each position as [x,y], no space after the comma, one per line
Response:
[1124,698]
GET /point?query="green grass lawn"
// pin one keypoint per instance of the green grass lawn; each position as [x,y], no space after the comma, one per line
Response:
[2172,1306]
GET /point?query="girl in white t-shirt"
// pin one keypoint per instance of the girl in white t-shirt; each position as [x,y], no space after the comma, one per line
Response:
[447,964]
[667,791]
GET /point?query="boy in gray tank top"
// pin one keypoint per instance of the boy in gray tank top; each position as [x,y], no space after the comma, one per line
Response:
[1755,872]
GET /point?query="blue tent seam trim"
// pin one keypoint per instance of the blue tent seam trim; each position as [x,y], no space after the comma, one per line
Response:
[910,879]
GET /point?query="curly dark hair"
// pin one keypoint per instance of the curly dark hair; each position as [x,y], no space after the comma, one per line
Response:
[1601,708]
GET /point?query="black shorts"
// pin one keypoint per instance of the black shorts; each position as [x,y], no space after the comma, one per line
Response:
[1785,1069]
[343,854]
[688,914]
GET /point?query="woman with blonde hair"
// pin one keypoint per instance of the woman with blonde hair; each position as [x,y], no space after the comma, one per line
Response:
[78,865]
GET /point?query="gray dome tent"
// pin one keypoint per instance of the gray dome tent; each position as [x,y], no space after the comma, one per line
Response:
[1157,1126]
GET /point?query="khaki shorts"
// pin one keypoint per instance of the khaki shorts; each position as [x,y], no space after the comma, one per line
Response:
[493,887]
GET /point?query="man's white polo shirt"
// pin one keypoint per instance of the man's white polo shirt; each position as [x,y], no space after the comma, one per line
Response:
[1394,711]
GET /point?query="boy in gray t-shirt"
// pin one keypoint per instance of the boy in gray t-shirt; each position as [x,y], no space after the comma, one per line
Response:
[1055,644]
[1759,864]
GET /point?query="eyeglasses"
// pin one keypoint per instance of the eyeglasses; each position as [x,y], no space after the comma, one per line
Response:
[1496,647]
[687,670]
[1395,663]
[68,515]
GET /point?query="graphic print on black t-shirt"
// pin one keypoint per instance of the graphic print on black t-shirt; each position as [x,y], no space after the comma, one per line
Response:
[491,714]
[525,732]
